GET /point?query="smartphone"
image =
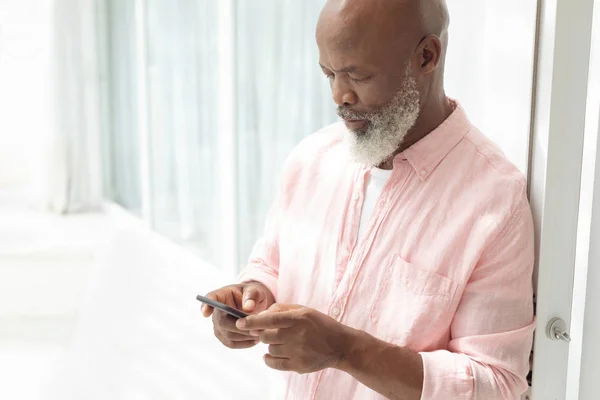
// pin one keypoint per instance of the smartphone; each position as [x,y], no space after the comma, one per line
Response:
[223,307]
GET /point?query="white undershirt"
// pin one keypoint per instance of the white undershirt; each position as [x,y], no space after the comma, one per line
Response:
[376,181]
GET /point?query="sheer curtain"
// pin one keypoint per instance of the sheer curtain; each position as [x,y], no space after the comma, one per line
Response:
[74,162]
[282,97]
[182,86]
[121,144]
[25,26]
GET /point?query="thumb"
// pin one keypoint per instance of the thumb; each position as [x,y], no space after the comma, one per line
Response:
[252,296]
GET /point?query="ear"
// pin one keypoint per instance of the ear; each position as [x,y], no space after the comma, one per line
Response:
[429,54]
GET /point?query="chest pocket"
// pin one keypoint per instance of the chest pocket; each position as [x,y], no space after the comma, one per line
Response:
[412,304]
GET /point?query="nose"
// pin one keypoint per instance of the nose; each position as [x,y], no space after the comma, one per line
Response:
[342,93]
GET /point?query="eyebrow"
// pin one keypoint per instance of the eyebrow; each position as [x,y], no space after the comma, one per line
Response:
[348,69]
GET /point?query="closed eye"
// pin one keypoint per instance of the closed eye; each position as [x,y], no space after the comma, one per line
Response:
[361,80]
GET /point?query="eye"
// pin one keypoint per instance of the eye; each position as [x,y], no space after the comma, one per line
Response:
[329,76]
[361,80]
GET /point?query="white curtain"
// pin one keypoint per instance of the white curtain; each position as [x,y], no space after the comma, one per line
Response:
[282,96]
[24,98]
[74,180]
[182,88]
[121,137]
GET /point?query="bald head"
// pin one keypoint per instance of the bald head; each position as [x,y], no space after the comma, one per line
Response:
[400,17]
[382,52]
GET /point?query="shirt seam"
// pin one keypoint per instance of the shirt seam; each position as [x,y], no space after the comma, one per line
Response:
[487,159]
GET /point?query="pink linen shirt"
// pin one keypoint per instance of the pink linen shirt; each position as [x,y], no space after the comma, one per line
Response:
[444,267]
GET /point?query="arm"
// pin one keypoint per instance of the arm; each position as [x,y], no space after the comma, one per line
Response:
[395,372]
[491,334]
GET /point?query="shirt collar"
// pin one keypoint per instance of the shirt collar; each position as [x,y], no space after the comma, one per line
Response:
[425,155]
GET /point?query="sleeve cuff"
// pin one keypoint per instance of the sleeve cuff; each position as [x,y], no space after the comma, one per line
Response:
[259,273]
[447,376]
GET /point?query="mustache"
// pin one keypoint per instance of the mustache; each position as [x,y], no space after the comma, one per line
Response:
[347,113]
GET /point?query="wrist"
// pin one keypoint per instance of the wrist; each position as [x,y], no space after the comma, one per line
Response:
[353,344]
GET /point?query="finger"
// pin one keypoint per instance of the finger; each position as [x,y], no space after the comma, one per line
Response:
[222,296]
[268,320]
[226,322]
[272,336]
[280,364]
[275,307]
[253,295]
[278,307]
[239,345]
[206,311]
[238,337]
[278,351]
[236,345]
[228,298]
[228,295]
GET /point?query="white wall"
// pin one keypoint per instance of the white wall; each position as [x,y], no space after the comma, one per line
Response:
[490,69]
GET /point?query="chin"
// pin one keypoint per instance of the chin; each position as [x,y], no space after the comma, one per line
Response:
[359,133]
[365,157]
[363,149]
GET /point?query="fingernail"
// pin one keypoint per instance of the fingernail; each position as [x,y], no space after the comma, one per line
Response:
[255,333]
[249,304]
[241,323]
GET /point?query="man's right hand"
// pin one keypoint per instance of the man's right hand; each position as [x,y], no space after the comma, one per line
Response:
[251,297]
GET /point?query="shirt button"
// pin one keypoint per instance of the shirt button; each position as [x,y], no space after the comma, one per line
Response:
[423,172]
[356,196]
[335,312]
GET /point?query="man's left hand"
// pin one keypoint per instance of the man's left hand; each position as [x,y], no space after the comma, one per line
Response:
[300,339]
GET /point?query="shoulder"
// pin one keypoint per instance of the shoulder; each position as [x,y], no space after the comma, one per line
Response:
[313,150]
[318,143]
[498,180]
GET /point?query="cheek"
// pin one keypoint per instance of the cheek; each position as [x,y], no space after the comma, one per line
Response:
[374,96]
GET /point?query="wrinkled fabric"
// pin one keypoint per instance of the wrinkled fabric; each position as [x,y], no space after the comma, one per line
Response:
[444,267]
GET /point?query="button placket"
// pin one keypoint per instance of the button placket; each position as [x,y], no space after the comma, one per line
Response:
[335,312]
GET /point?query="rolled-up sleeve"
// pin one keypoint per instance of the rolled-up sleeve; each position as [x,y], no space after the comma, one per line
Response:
[492,330]
[263,265]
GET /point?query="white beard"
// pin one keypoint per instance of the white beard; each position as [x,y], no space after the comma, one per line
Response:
[387,127]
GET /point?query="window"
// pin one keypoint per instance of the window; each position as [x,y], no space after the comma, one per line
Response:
[279,98]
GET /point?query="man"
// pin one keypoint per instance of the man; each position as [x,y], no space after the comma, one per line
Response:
[397,259]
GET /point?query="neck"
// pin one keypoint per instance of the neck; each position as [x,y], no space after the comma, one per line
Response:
[432,115]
